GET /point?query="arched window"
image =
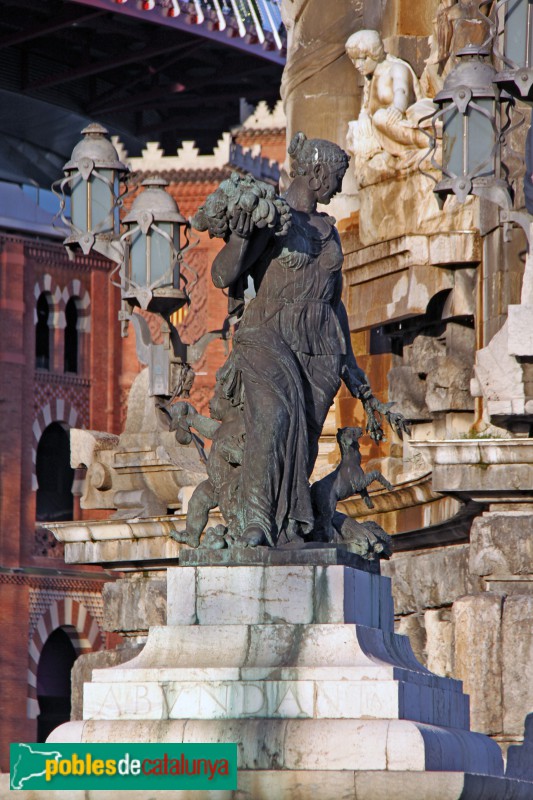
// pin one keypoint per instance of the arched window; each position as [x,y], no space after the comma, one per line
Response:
[54,475]
[71,336]
[53,682]
[42,332]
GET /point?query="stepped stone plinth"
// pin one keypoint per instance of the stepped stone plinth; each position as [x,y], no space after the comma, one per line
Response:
[293,656]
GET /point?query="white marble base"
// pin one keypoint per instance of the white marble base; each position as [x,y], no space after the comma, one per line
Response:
[300,666]
[314,744]
[242,671]
[244,595]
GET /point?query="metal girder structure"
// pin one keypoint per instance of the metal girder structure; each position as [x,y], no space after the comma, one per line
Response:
[249,25]
[142,75]
[69,17]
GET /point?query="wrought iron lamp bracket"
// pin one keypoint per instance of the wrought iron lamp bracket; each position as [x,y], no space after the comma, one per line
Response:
[508,218]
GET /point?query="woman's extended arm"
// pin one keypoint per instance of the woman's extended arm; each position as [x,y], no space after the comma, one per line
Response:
[204,425]
[352,374]
[357,383]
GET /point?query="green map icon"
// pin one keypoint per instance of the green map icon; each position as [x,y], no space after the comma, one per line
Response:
[28,763]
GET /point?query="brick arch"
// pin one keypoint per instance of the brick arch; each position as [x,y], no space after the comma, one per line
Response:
[81,628]
[77,290]
[47,285]
[57,410]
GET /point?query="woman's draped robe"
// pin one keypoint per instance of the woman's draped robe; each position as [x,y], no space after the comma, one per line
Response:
[287,358]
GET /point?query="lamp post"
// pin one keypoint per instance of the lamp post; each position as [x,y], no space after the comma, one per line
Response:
[472,104]
[148,254]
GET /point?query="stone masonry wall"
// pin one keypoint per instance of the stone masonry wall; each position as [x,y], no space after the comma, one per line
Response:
[468,610]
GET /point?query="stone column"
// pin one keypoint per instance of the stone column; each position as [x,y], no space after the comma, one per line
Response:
[319,86]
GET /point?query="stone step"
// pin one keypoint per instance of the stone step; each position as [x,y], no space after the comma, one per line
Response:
[331,785]
[370,672]
[312,744]
[270,647]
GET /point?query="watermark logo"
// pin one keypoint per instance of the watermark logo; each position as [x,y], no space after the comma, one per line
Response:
[123,766]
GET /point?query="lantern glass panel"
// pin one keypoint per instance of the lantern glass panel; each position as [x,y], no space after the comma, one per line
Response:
[517,27]
[102,202]
[78,203]
[453,142]
[480,139]
[138,244]
[161,252]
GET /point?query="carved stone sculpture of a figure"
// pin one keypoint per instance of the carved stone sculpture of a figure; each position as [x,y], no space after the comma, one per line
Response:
[292,347]
[393,104]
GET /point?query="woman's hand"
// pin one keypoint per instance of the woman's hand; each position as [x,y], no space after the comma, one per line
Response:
[375,411]
[241,223]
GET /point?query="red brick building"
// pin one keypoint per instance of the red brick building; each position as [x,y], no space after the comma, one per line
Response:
[59,359]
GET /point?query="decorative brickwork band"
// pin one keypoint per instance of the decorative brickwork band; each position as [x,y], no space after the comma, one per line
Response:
[81,628]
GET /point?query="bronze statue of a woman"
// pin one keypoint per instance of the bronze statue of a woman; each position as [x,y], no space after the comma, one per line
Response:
[292,347]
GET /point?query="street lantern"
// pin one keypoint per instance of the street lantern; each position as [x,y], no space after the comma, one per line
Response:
[150,273]
[469,114]
[148,255]
[92,176]
[516,19]
[150,252]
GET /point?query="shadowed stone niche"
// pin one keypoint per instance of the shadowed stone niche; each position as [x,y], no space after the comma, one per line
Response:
[434,363]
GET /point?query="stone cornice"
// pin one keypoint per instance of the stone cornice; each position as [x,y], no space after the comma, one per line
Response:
[442,249]
[63,582]
[486,470]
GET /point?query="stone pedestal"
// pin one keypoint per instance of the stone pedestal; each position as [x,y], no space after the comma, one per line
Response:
[299,664]
[492,613]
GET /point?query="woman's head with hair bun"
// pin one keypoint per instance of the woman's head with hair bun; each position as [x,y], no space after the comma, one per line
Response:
[306,153]
[296,144]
